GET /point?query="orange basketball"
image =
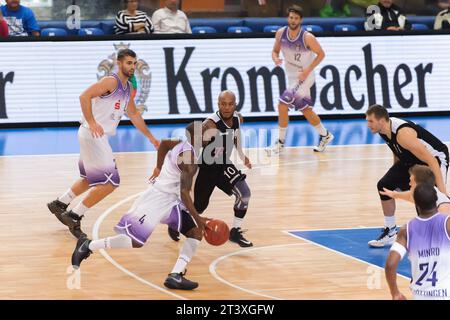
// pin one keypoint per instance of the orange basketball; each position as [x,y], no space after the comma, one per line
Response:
[216,232]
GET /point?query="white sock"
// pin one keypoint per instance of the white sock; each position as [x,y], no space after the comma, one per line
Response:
[80,209]
[119,241]
[321,129]
[186,253]
[67,197]
[237,222]
[389,222]
[282,134]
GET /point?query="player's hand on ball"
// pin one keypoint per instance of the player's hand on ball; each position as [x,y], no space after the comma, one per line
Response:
[96,130]
[202,223]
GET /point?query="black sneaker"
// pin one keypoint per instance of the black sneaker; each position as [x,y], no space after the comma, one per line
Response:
[73,221]
[178,281]
[236,236]
[81,252]
[57,208]
[174,234]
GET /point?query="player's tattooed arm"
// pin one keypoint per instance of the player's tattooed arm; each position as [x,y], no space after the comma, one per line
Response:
[188,169]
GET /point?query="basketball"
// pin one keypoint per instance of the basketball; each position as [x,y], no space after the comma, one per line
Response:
[216,232]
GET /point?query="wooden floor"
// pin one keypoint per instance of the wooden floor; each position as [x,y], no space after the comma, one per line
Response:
[303,191]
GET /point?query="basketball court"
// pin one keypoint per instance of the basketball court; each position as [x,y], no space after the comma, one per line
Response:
[310,217]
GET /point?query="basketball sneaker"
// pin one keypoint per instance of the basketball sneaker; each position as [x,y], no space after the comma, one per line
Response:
[236,236]
[73,221]
[387,237]
[173,234]
[57,208]
[276,149]
[81,251]
[323,142]
[178,281]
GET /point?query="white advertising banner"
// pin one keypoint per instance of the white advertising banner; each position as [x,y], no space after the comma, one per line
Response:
[42,81]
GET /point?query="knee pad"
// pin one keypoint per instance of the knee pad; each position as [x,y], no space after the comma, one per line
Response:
[382,183]
[242,193]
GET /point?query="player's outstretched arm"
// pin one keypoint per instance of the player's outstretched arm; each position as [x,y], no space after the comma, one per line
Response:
[396,254]
[403,195]
[102,87]
[186,163]
[137,120]
[407,138]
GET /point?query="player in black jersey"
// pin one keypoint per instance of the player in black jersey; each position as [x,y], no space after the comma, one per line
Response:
[411,144]
[222,134]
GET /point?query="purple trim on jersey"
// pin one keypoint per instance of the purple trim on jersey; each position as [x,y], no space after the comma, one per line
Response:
[295,101]
[297,44]
[96,177]
[120,91]
[428,233]
[174,219]
[81,169]
[130,226]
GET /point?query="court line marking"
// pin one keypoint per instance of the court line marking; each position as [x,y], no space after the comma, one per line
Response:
[126,271]
[341,253]
[103,252]
[213,266]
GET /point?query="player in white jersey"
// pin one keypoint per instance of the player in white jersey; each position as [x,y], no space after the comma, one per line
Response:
[302,53]
[420,174]
[166,201]
[102,105]
[426,239]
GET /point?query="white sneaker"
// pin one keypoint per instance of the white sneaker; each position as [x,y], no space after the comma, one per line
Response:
[387,237]
[276,149]
[323,142]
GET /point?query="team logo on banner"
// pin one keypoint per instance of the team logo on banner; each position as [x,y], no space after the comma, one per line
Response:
[142,74]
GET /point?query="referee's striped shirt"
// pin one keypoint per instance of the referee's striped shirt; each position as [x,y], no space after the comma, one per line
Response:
[125,22]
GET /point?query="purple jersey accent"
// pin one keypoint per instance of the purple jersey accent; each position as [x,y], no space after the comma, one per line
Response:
[120,93]
[425,234]
[135,227]
[293,45]
[96,177]
[428,246]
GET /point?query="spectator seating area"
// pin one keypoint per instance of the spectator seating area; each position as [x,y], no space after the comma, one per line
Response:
[233,25]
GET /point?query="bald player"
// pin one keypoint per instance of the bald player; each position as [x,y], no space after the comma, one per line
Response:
[221,134]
